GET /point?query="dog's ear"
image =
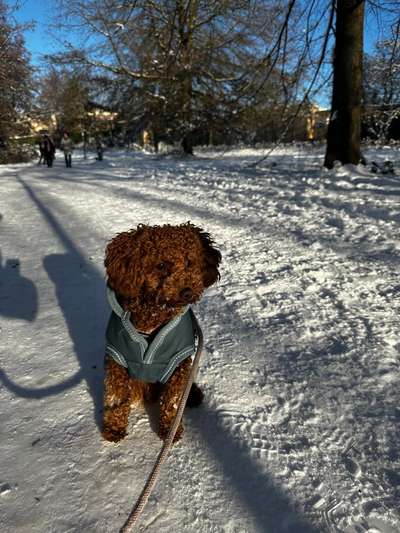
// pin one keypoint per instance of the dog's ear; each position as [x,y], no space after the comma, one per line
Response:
[122,264]
[212,258]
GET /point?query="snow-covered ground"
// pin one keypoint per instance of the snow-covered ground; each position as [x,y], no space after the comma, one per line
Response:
[299,431]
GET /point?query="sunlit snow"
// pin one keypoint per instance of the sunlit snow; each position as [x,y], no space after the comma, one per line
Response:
[299,431]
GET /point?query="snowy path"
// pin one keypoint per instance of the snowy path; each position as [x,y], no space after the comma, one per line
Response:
[300,427]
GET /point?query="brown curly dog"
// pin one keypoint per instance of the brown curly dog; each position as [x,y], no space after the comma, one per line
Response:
[154,274]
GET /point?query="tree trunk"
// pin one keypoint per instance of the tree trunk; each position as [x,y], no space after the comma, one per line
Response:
[187,14]
[343,138]
[187,145]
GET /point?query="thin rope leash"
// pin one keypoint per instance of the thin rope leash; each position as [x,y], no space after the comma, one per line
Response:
[151,480]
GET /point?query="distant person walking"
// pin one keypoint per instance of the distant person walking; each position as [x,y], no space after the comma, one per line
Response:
[99,150]
[67,146]
[49,150]
[42,158]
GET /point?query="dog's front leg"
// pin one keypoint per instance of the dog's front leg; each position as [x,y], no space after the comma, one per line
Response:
[117,401]
[170,399]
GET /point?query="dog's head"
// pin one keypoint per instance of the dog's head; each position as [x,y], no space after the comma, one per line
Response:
[156,271]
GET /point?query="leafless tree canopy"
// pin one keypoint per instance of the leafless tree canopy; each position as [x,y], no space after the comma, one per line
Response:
[191,64]
[203,70]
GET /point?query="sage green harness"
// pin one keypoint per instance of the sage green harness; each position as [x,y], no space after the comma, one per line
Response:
[150,362]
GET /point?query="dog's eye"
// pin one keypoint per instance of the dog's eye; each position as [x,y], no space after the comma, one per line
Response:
[162,267]
[188,263]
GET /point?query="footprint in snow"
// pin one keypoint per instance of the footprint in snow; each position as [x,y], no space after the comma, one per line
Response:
[6,488]
[393,478]
[328,513]
[259,444]
[352,466]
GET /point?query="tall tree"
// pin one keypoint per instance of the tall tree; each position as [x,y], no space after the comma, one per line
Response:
[15,75]
[382,87]
[192,65]
[63,98]
[343,138]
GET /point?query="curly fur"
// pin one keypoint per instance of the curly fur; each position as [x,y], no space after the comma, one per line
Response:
[155,271]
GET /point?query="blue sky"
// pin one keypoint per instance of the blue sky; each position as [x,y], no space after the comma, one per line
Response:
[39,41]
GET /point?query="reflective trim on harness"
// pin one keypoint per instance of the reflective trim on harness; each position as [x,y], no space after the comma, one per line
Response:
[118,358]
[178,358]
[161,336]
[125,319]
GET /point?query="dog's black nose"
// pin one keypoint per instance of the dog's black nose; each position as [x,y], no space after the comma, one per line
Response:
[186,294]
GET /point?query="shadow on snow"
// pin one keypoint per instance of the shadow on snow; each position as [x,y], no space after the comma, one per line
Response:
[80,293]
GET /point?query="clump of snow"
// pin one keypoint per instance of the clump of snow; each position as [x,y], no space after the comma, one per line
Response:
[299,428]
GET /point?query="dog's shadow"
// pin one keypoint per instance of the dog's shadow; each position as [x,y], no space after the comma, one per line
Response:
[250,480]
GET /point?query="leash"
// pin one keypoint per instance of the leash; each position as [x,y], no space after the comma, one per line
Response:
[151,480]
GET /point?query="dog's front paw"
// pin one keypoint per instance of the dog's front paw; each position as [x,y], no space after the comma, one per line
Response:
[113,435]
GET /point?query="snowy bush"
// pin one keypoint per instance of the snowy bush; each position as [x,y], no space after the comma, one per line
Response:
[17,153]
